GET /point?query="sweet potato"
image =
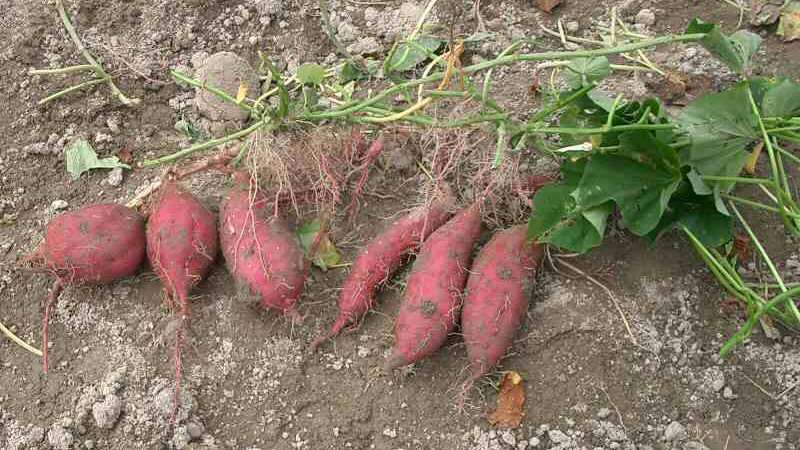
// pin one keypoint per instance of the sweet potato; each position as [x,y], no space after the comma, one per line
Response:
[379,259]
[182,244]
[434,289]
[497,294]
[260,251]
[92,245]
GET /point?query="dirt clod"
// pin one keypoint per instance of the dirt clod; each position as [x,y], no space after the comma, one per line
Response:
[225,71]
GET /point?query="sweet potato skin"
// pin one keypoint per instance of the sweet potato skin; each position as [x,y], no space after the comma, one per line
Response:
[432,302]
[182,240]
[379,260]
[260,251]
[95,244]
[498,289]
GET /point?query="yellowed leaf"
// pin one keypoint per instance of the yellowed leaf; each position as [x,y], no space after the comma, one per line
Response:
[510,402]
[752,159]
[242,92]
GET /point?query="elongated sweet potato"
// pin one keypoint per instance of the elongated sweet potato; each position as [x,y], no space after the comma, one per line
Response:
[497,295]
[182,244]
[379,260]
[432,303]
[94,244]
[260,250]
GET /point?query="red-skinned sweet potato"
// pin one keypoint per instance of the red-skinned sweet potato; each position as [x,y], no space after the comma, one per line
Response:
[260,251]
[434,289]
[92,245]
[379,259]
[182,244]
[497,295]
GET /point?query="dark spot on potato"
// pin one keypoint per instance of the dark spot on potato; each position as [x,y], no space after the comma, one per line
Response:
[83,227]
[504,273]
[427,307]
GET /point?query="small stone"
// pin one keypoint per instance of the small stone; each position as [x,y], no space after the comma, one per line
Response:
[88,444]
[114,177]
[603,413]
[508,438]
[573,26]
[728,393]
[694,445]
[557,436]
[675,432]
[534,442]
[646,17]
[60,438]
[58,205]
[389,432]
[253,40]
[195,430]
[107,412]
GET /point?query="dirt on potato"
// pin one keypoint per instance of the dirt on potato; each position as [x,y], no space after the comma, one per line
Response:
[249,382]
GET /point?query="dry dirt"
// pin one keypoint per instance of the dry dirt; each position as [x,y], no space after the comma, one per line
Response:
[249,382]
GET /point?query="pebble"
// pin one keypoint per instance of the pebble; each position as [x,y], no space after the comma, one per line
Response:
[557,436]
[694,445]
[573,26]
[728,393]
[508,438]
[603,413]
[646,17]
[534,442]
[391,433]
[88,444]
[115,177]
[58,205]
[675,432]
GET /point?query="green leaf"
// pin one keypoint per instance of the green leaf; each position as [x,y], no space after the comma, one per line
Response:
[326,255]
[407,55]
[584,71]
[310,73]
[720,126]
[81,157]
[641,183]
[735,50]
[557,222]
[189,130]
[699,214]
[782,100]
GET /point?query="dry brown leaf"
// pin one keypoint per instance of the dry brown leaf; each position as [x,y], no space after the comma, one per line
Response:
[789,26]
[510,402]
[547,5]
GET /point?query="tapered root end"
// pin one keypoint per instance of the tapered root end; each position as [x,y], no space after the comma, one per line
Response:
[55,291]
[337,328]
[394,361]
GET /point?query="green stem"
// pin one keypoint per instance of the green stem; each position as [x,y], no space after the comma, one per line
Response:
[101,73]
[62,70]
[744,331]
[205,145]
[506,60]
[776,173]
[741,180]
[601,130]
[66,91]
[214,90]
[755,204]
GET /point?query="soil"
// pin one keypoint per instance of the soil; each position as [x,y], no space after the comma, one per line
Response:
[249,381]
